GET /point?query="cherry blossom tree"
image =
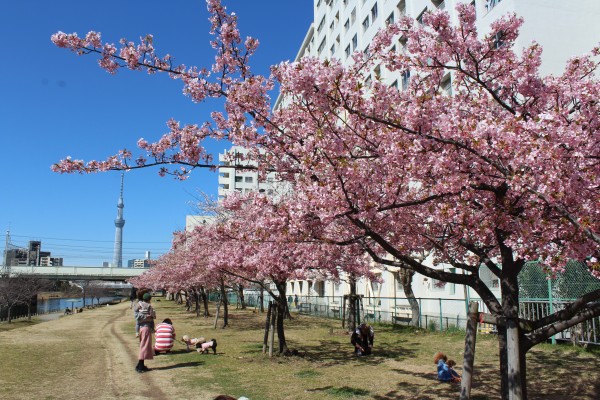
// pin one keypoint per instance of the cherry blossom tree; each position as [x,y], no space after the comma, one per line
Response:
[503,171]
[260,243]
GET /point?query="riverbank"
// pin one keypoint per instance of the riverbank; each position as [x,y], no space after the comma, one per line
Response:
[92,355]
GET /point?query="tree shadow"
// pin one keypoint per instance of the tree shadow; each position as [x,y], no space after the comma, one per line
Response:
[180,365]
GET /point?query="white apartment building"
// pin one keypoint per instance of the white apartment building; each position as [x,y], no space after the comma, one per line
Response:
[342,27]
[242,180]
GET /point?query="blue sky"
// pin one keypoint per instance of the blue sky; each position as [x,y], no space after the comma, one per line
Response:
[55,104]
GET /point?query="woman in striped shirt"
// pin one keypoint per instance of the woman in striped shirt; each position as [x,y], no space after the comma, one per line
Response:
[164,336]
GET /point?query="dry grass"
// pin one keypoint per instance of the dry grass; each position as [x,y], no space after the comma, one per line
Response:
[400,368]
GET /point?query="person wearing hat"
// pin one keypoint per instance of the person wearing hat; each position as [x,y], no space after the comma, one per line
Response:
[145,316]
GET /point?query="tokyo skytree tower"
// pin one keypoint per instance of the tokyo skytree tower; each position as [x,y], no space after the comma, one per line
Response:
[119,223]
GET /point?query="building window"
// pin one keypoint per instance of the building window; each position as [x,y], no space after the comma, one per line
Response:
[439,4]
[320,288]
[420,17]
[353,16]
[394,84]
[374,12]
[446,85]
[499,40]
[405,79]
[348,51]
[390,19]
[354,42]
[365,24]
[248,179]
[321,24]
[347,25]
[401,8]
[368,81]
[489,4]
[332,50]
[239,178]
[321,46]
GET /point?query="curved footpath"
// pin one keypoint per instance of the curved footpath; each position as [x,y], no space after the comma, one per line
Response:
[90,355]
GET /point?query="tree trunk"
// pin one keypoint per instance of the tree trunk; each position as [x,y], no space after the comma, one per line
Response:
[406,278]
[261,300]
[241,297]
[469,357]
[515,364]
[224,300]
[204,297]
[197,302]
[281,308]
[352,305]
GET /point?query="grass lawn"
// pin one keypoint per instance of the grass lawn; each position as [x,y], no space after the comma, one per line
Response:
[400,368]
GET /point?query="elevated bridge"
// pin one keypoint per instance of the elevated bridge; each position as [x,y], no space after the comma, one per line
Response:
[77,273]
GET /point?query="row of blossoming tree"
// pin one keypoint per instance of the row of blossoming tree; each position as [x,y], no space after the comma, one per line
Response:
[503,171]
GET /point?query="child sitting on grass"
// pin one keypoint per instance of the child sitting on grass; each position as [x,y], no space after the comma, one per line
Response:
[455,376]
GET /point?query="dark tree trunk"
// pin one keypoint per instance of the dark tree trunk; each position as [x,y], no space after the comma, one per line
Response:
[406,278]
[281,308]
[225,308]
[352,305]
[197,302]
[261,300]
[241,297]
[204,297]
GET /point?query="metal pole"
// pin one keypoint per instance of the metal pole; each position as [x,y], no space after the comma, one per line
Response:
[441,319]
[551,301]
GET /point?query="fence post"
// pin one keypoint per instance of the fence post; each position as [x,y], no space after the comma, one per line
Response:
[441,319]
[420,313]
[551,301]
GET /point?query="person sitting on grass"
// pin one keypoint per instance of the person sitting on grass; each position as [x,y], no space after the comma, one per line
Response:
[362,338]
[455,376]
[443,372]
[164,337]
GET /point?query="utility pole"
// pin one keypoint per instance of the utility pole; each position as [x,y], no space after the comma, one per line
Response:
[5,266]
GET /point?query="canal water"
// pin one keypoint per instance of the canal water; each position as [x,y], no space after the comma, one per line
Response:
[53,304]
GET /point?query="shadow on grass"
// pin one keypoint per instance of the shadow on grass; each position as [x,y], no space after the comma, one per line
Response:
[180,365]
[343,392]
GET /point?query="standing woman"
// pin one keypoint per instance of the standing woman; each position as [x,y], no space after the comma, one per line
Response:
[145,318]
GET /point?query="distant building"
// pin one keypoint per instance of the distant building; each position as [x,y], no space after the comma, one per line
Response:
[51,261]
[138,263]
[105,264]
[238,179]
[31,256]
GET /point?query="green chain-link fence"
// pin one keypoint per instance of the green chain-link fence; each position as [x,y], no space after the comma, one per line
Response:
[541,295]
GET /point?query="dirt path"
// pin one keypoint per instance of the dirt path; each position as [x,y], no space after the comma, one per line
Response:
[90,355]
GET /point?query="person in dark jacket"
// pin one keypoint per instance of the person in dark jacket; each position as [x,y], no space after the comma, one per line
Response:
[132,296]
[362,338]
